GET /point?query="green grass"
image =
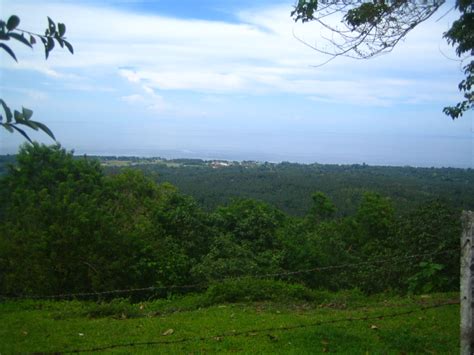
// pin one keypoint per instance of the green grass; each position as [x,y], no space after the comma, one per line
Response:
[246,327]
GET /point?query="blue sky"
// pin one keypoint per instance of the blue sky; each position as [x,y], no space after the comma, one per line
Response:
[227,79]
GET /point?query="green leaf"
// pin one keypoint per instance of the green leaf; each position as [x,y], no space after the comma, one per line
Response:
[18,116]
[8,127]
[13,22]
[27,113]
[61,29]
[22,132]
[7,110]
[32,40]
[60,41]
[20,38]
[51,27]
[45,129]
[50,44]
[69,47]
[31,124]
[8,50]
[45,43]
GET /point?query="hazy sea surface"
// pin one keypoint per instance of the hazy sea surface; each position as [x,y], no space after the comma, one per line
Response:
[419,152]
[325,148]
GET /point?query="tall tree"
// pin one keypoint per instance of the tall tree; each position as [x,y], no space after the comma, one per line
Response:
[371,28]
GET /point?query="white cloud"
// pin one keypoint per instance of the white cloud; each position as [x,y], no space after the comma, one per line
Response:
[148,99]
[187,80]
[133,99]
[258,55]
[130,75]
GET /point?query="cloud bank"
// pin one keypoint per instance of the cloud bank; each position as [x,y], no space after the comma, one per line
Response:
[255,55]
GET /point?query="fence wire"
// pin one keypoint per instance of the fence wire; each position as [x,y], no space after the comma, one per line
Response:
[253,332]
[393,260]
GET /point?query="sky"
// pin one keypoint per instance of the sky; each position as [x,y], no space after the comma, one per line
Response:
[227,79]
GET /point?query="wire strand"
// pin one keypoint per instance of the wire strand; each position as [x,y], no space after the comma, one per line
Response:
[261,330]
[392,260]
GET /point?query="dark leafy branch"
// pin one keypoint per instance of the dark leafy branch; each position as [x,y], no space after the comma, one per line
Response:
[461,35]
[9,30]
[365,29]
[22,118]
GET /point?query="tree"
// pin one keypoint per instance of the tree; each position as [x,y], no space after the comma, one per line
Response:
[433,227]
[54,235]
[65,227]
[250,222]
[323,208]
[371,28]
[461,35]
[9,31]
[376,217]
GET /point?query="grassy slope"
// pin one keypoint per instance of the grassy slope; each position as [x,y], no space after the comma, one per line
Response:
[41,326]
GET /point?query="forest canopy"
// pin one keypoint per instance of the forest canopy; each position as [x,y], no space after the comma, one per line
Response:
[67,227]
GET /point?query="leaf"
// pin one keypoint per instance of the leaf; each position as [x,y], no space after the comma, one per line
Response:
[18,116]
[8,127]
[69,47]
[45,43]
[60,41]
[45,129]
[32,40]
[50,44]
[27,113]
[20,38]
[13,22]
[51,26]
[22,132]
[168,332]
[7,110]
[31,124]
[61,29]
[8,50]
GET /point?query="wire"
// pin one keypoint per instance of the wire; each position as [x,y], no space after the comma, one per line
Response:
[256,331]
[392,260]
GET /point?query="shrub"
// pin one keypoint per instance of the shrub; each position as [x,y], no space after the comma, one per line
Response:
[250,289]
[116,308]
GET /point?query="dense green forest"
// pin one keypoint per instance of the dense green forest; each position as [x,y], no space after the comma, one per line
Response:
[289,186]
[66,226]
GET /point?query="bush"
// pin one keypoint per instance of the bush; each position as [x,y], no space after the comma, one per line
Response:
[250,289]
[116,308]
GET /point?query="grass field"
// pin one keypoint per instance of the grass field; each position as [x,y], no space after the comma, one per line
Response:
[380,324]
